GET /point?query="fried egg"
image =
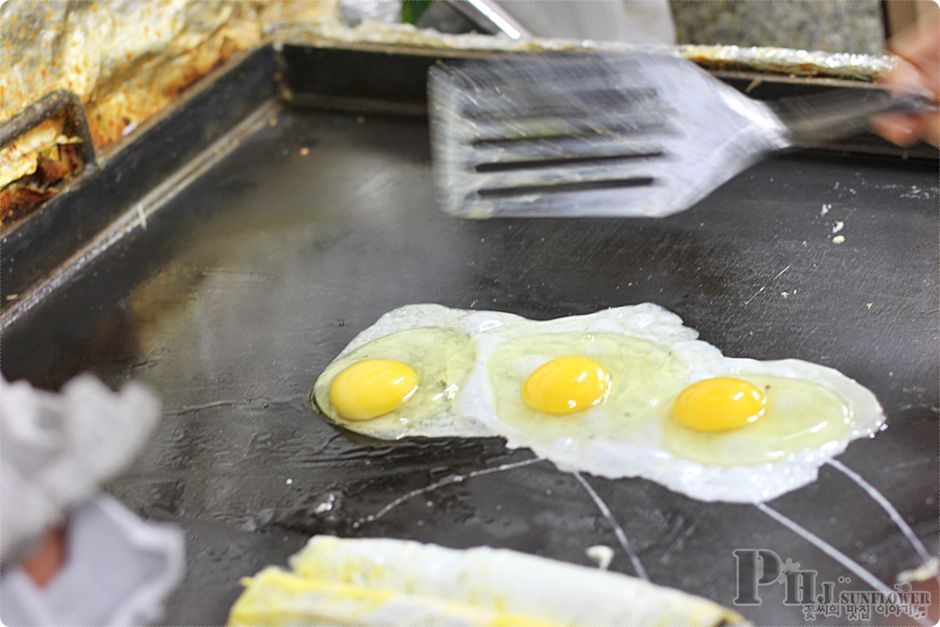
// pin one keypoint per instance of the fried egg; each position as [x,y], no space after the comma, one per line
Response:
[396,582]
[623,392]
[403,383]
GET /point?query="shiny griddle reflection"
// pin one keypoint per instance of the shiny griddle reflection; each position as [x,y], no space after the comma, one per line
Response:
[247,284]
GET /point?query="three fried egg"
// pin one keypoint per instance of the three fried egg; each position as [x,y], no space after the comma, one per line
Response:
[624,392]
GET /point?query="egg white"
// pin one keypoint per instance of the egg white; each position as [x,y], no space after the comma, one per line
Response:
[643,453]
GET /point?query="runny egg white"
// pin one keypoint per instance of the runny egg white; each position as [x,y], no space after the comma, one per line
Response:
[623,392]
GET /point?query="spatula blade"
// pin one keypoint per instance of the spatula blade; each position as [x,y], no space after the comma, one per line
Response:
[588,135]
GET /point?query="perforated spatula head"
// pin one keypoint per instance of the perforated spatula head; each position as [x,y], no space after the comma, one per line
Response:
[588,134]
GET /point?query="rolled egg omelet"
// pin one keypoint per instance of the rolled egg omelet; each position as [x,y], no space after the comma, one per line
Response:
[383,581]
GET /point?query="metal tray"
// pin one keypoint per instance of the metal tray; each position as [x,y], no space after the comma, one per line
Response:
[227,251]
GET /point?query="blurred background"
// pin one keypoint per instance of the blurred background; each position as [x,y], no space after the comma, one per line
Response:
[835,26]
[859,26]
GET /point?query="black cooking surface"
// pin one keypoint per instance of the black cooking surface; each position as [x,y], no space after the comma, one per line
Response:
[248,282]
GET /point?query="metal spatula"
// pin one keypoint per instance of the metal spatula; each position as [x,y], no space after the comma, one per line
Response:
[611,135]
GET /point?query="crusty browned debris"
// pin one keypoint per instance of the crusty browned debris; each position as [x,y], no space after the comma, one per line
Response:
[125,61]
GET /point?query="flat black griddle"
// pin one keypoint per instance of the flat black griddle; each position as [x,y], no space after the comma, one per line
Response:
[257,264]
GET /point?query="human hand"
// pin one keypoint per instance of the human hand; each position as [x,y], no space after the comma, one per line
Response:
[918,69]
[47,559]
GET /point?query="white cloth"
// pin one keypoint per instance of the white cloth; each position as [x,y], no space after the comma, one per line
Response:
[56,449]
[118,571]
[623,21]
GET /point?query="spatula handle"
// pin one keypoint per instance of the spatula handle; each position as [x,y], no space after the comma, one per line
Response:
[834,115]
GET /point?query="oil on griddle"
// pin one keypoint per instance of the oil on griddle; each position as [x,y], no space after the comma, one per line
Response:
[247,282]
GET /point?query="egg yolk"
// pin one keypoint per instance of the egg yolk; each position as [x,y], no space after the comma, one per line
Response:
[566,385]
[371,388]
[718,404]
